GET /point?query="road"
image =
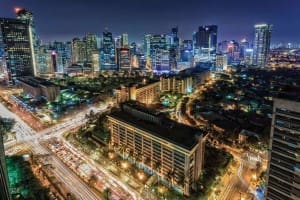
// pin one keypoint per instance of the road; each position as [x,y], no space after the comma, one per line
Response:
[26,136]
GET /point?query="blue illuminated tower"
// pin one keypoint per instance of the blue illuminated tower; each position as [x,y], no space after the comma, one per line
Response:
[108,52]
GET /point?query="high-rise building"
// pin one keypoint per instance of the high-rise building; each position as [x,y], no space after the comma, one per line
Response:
[118,41]
[261,46]
[172,151]
[124,40]
[147,41]
[221,62]
[244,44]
[159,53]
[18,55]
[283,175]
[123,58]
[186,51]
[4,182]
[91,46]
[44,61]
[25,15]
[78,51]
[206,43]
[63,52]
[107,52]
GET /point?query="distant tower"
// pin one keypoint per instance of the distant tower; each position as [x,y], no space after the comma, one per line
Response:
[206,42]
[108,52]
[124,40]
[261,47]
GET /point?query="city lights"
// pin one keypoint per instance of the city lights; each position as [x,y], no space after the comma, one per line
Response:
[98,101]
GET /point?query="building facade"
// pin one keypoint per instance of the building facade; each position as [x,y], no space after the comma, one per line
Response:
[146,94]
[172,151]
[4,182]
[177,84]
[283,181]
[39,88]
[123,58]
[107,52]
[18,53]
[206,43]
[262,42]
[143,93]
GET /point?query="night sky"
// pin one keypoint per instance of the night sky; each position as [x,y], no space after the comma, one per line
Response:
[65,19]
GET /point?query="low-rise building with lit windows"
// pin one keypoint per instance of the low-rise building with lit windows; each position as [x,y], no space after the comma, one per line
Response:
[177,84]
[172,151]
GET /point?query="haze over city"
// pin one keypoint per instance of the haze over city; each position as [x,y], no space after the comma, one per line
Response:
[149,100]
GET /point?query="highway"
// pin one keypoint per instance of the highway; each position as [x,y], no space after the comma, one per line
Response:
[31,139]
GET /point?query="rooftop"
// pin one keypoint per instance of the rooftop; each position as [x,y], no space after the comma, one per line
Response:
[291,93]
[35,81]
[171,131]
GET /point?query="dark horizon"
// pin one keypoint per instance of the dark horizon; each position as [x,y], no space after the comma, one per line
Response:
[64,20]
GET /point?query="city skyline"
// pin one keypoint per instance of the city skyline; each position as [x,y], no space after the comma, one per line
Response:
[139,18]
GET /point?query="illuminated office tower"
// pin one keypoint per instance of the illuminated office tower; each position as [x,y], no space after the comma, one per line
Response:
[186,54]
[221,62]
[78,51]
[4,183]
[124,40]
[283,174]
[147,41]
[118,41]
[244,44]
[63,54]
[261,46]
[91,46]
[107,52]
[133,48]
[161,60]
[206,43]
[44,60]
[18,54]
[25,15]
[159,53]
[96,61]
[123,58]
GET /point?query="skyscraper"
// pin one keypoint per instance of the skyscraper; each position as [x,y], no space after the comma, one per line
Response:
[124,40]
[206,43]
[44,60]
[78,51]
[25,15]
[91,46]
[123,58]
[159,53]
[186,54]
[63,53]
[261,46]
[4,184]
[107,52]
[147,40]
[18,54]
[283,181]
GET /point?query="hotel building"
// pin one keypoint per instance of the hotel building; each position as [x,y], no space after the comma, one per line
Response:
[174,152]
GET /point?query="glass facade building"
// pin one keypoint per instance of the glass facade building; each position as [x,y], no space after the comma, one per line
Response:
[283,181]
[18,52]
[261,46]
